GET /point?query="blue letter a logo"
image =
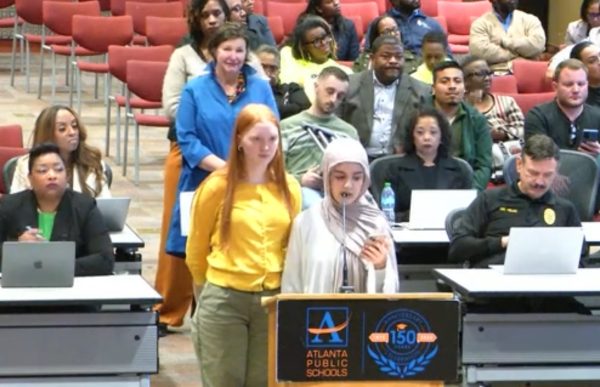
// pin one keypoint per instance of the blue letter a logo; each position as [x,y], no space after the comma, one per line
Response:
[327,327]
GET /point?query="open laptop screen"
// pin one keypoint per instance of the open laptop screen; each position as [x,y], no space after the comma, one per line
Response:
[114,211]
[38,264]
[543,250]
[429,207]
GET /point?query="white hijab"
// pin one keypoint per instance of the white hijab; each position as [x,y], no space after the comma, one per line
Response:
[363,217]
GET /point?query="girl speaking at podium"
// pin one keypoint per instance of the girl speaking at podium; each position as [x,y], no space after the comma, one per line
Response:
[342,243]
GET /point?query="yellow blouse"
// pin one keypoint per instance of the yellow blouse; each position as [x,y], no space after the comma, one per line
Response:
[260,228]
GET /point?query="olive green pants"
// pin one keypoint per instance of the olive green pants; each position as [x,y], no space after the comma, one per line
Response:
[229,330]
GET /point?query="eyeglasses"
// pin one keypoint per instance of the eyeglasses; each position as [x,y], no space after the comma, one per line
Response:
[482,74]
[320,41]
[593,15]
[389,31]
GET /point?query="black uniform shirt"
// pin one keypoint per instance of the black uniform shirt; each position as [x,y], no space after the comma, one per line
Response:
[491,215]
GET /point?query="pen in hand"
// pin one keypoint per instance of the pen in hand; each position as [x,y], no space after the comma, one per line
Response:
[31,234]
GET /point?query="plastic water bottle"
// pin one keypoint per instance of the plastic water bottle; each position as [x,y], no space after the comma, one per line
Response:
[388,202]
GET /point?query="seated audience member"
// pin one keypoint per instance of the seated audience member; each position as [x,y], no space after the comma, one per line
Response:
[326,235]
[256,26]
[426,163]
[381,101]
[343,29]
[239,229]
[382,25]
[565,52]
[504,34]
[290,97]
[582,30]
[433,51]
[503,115]
[302,151]
[578,30]
[84,166]
[312,48]
[565,118]
[50,211]
[589,54]
[413,23]
[471,139]
[482,235]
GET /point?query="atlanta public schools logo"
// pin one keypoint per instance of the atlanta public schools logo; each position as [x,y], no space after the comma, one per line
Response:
[327,327]
[402,344]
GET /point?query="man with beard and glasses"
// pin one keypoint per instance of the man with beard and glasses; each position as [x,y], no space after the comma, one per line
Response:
[482,235]
[471,139]
[381,101]
[504,34]
[413,23]
[302,133]
[565,118]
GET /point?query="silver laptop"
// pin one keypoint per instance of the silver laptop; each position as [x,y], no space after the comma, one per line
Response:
[114,211]
[543,250]
[38,264]
[429,207]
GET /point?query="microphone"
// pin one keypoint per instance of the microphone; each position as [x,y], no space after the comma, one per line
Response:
[346,287]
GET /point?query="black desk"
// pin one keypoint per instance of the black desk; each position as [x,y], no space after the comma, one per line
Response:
[126,244]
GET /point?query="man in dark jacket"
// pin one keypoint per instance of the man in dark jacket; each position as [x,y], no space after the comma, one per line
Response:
[471,138]
[482,236]
[380,102]
[259,32]
[290,97]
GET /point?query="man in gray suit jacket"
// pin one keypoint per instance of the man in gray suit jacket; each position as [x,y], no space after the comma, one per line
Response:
[381,101]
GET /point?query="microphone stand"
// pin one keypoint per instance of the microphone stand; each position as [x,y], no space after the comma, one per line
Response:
[346,287]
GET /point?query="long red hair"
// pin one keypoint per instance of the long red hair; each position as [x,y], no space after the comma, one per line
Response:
[235,170]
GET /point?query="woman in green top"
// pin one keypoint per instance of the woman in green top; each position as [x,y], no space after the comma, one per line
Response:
[49,211]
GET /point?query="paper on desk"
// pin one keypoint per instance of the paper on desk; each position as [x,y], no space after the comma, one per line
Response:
[185,209]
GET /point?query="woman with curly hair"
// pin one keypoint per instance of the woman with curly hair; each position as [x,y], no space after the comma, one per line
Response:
[85,169]
[427,163]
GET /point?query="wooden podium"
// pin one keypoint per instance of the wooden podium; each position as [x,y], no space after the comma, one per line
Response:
[369,325]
